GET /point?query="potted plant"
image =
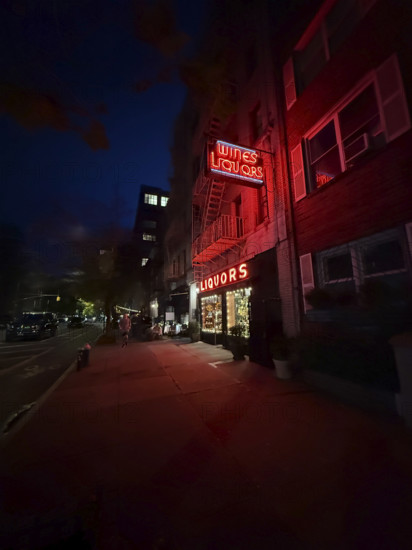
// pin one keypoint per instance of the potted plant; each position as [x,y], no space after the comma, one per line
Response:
[193,331]
[236,342]
[280,349]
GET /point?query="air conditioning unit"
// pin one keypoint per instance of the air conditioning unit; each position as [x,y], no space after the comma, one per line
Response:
[357,147]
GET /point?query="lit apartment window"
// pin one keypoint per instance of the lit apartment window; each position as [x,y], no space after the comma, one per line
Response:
[163,201]
[144,261]
[150,199]
[149,237]
[367,118]
[358,124]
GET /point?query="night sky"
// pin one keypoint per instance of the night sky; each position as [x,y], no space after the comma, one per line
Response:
[87,104]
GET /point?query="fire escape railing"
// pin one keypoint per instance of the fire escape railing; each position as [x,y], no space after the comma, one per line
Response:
[218,236]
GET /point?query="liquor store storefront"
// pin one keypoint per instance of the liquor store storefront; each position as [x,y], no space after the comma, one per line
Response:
[224,303]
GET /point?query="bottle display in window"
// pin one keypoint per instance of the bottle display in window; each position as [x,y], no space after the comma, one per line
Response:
[212,314]
[238,309]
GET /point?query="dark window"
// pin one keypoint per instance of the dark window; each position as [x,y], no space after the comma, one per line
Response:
[256,125]
[383,257]
[149,224]
[338,267]
[311,59]
[261,204]
[250,60]
[340,22]
[360,116]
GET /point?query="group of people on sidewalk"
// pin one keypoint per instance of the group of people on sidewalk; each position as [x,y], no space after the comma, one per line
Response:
[140,328]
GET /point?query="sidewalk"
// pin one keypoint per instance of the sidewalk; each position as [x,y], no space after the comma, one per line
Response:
[172,445]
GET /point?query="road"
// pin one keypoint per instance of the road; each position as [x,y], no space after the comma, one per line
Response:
[29,368]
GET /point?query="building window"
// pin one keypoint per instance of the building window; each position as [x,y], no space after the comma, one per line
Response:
[238,309]
[324,155]
[144,261]
[334,28]
[212,314]
[150,199]
[149,237]
[353,131]
[164,201]
[374,113]
[383,255]
[256,123]
[312,59]
[149,224]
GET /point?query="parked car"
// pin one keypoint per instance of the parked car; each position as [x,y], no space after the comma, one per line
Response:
[63,318]
[4,320]
[32,325]
[76,322]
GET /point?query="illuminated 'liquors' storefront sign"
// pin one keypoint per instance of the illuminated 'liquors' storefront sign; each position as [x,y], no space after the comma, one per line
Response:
[237,162]
[227,277]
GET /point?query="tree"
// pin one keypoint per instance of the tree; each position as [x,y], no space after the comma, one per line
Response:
[13,262]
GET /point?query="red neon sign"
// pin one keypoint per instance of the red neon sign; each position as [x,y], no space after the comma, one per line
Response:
[227,277]
[321,179]
[238,162]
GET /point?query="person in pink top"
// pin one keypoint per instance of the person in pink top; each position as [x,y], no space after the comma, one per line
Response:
[124,325]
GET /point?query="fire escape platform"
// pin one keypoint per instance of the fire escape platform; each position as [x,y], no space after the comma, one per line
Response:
[218,237]
[214,249]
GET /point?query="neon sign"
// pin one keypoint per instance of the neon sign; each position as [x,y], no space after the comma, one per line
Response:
[234,161]
[227,277]
[321,179]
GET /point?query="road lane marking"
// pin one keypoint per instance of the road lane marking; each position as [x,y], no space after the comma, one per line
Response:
[11,359]
[22,346]
[31,358]
[10,352]
[34,370]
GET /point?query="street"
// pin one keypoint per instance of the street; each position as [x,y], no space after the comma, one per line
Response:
[29,368]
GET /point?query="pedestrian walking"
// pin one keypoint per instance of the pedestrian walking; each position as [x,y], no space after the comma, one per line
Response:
[124,326]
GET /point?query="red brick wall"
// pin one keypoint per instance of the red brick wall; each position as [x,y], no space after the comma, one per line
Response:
[376,194]
[373,196]
[386,29]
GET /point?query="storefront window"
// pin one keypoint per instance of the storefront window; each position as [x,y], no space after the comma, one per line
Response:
[212,314]
[237,309]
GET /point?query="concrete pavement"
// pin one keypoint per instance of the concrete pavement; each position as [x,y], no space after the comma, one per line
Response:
[168,445]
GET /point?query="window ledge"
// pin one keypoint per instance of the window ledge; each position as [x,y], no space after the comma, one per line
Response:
[349,170]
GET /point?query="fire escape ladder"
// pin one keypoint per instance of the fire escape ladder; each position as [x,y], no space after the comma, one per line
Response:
[213,203]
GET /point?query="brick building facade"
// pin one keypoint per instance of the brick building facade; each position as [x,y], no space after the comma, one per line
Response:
[348,84]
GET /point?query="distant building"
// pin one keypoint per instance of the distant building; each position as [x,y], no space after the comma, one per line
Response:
[180,288]
[148,232]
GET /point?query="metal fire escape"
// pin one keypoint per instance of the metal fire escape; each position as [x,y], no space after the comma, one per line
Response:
[212,232]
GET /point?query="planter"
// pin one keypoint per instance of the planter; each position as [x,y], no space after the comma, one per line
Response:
[238,350]
[282,369]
